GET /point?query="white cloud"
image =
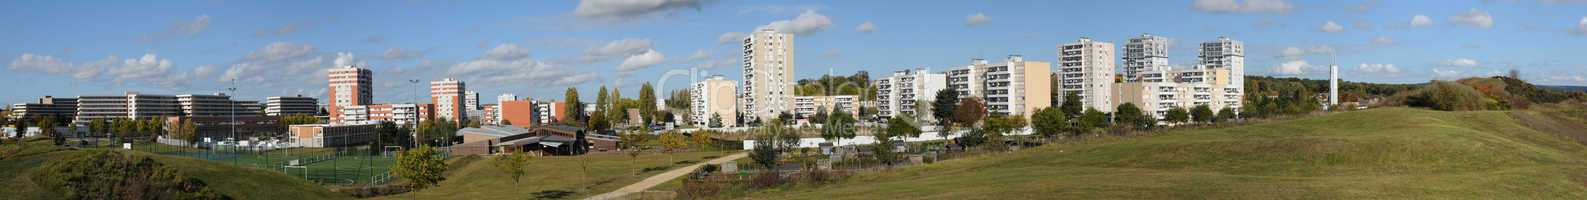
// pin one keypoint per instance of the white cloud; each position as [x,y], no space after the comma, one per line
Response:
[700,55]
[976,19]
[1445,74]
[149,68]
[1382,40]
[181,29]
[617,49]
[1295,53]
[1581,27]
[623,10]
[506,52]
[641,61]
[1294,67]
[400,54]
[1474,17]
[1388,69]
[347,59]
[806,23]
[277,51]
[1331,27]
[866,27]
[729,37]
[494,68]
[1247,6]
[1421,21]
[1461,62]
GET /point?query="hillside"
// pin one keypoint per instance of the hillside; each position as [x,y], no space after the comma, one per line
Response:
[1380,153]
[16,176]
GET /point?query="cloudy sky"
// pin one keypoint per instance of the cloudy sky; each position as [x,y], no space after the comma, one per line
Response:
[539,48]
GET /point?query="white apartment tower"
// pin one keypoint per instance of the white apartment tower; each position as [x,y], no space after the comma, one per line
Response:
[349,86]
[713,97]
[294,105]
[1144,55]
[1227,55]
[1014,87]
[768,74]
[900,93]
[471,100]
[1086,69]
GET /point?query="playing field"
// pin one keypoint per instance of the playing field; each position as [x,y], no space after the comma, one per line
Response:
[321,165]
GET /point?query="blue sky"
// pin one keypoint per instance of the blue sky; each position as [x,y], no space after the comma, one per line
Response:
[539,48]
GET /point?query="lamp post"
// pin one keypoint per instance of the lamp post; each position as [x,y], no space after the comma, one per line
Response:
[416,118]
[233,105]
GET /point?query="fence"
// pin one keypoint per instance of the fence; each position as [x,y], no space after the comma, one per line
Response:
[340,165]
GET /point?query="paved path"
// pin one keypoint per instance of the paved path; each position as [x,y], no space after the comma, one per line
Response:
[658,179]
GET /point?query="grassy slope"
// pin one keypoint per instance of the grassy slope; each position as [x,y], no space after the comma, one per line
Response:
[1380,153]
[238,183]
[482,180]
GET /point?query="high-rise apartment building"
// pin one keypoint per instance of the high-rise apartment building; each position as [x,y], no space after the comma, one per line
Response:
[349,86]
[1145,57]
[218,105]
[48,106]
[294,105]
[548,112]
[400,114]
[129,106]
[519,113]
[1013,87]
[1217,81]
[1227,55]
[447,95]
[806,106]
[713,97]
[471,100]
[1086,68]
[901,92]
[768,74]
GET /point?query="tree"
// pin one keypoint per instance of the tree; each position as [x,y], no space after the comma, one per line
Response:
[820,116]
[886,141]
[839,126]
[98,127]
[942,108]
[716,121]
[1224,115]
[1093,119]
[673,141]
[573,109]
[602,102]
[187,131]
[1131,117]
[513,164]
[47,128]
[617,111]
[900,126]
[773,139]
[647,103]
[1049,122]
[598,122]
[21,126]
[703,137]
[1177,115]
[968,112]
[1202,114]
[422,166]
[473,123]
[996,127]
[1072,105]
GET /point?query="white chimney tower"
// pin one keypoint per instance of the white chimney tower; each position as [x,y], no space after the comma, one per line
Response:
[1333,85]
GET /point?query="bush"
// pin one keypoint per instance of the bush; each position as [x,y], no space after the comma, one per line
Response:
[766,180]
[1450,96]
[818,176]
[104,174]
[698,189]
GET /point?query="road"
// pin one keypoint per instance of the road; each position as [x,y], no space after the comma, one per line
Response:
[658,179]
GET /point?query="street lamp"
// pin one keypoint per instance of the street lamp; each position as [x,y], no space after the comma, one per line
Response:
[233,105]
[415,121]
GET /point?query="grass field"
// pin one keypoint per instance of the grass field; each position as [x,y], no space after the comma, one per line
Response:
[550,175]
[232,181]
[1397,153]
[321,165]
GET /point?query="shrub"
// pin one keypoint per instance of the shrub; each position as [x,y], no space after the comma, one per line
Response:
[766,180]
[103,174]
[698,189]
[1450,96]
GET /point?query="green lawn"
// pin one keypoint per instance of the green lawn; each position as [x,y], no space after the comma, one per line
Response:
[1397,153]
[232,181]
[607,172]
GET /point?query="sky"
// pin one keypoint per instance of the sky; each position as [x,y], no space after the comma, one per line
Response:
[538,49]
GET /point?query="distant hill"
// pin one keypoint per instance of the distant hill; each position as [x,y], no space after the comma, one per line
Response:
[1385,153]
[1564,88]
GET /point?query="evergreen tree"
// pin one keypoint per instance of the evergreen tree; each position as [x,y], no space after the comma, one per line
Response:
[942,108]
[1072,105]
